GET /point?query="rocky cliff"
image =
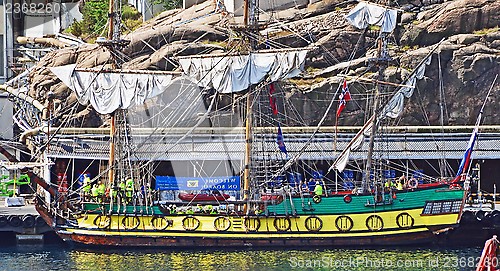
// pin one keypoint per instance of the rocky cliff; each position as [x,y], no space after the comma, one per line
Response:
[454,86]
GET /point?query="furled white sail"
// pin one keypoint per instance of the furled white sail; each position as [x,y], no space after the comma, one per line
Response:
[395,106]
[356,143]
[108,91]
[365,14]
[392,109]
[228,74]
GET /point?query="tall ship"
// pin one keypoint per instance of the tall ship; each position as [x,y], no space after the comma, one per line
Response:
[201,156]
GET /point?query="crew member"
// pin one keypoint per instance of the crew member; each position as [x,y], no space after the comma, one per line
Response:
[95,192]
[318,189]
[101,190]
[86,186]
[129,189]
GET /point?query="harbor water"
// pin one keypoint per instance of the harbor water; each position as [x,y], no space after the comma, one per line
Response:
[62,257]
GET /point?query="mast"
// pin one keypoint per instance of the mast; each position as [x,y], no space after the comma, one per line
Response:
[381,61]
[250,21]
[113,35]
[248,150]
[112,128]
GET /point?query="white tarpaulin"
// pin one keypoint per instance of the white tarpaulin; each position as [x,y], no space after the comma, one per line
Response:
[396,105]
[228,74]
[365,14]
[108,91]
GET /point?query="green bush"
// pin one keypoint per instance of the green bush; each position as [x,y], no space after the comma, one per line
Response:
[95,17]
[168,4]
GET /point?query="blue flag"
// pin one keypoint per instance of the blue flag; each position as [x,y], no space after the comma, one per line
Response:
[280,141]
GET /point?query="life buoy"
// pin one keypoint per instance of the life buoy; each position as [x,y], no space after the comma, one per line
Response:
[317,199]
[347,198]
[455,186]
[412,183]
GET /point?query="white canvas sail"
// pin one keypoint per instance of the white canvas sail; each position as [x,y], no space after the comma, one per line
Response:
[228,74]
[356,143]
[108,91]
[365,14]
[395,106]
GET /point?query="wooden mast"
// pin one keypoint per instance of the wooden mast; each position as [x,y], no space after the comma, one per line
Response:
[381,61]
[249,21]
[112,128]
[248,150]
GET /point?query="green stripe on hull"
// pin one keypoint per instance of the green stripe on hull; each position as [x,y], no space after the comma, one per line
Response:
[129,209]
[335,204]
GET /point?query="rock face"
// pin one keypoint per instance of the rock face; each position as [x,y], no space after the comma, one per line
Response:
[455,85]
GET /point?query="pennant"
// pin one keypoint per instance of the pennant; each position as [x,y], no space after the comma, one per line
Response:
[280,141]
[464,164]
[272,100]
[344,97]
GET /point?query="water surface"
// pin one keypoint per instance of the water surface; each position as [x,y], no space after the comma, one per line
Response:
[60,257]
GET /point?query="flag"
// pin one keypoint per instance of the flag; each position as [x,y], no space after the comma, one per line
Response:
[344,97]
[280,141]
[272,100]
[464,164]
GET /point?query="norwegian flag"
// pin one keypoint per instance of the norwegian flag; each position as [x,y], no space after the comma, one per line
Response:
[272,100]
[344,97]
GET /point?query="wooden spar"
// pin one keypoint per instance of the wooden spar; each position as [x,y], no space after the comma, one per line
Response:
[248,149]
[266,51]
[112,131]
[112,128]
[36,40]
[248,129]
[8,155]
[38,105]
[41,182]
[129,71]
[111,19]
[245,12]
[381,61]
[383,82]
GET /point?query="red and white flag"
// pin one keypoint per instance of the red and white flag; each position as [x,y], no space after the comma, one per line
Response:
[272,99]
[344,97]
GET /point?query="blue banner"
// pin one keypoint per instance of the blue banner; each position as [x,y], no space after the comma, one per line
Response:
[227,183]
[348,174]
[390,173]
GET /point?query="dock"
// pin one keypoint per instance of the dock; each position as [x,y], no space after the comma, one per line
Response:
[22,221]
